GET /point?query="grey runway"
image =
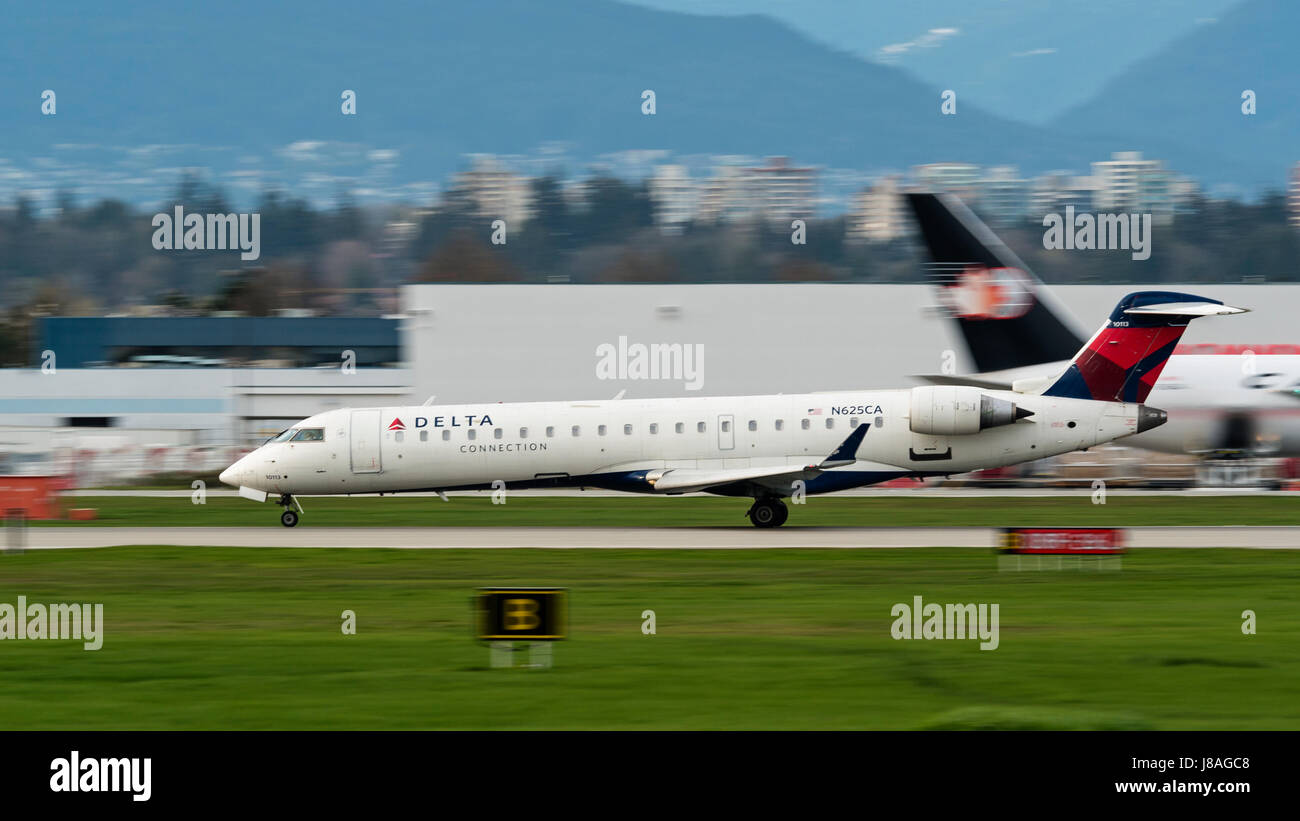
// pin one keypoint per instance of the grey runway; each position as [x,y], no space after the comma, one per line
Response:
[920,492]
[591,538]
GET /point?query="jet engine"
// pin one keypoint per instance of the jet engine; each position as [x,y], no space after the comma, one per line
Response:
[948,410]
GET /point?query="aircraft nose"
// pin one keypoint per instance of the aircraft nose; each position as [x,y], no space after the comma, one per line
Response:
[231,475]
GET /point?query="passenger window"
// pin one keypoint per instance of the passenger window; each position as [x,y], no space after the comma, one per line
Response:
[523,433]
[627,430]
[753,425]
[880,420]
[550,431]
[726,426]
[780,424]
[496,433]
[600,430]
[700,427]
[830,423]
[654,428]
[446,436]
[399,436]
[853,422]
[577,430]
[680,427]
[424,436]
[805,424]
[473,434]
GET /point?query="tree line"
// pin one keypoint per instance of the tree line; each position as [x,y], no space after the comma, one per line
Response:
[344,258]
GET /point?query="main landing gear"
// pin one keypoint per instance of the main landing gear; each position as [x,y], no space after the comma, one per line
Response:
[768,511]
[289,517]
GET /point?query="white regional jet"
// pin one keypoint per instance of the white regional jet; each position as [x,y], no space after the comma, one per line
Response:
[764,447]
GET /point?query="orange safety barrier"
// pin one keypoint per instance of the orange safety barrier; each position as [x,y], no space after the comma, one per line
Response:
[36,496]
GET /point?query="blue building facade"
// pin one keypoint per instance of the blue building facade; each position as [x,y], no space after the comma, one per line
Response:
[296,342]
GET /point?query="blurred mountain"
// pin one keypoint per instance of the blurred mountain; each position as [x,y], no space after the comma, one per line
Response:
[250,91]
[1185,102]
[1028,60]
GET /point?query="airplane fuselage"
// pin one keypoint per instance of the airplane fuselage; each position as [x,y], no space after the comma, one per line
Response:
[631,444]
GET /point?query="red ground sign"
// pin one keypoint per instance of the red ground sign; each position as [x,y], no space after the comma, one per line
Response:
[1063,541]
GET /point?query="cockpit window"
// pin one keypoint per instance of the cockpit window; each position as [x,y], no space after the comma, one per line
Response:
[310,435]
[282,436]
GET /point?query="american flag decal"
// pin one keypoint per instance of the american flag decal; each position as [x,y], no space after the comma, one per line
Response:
[814,411]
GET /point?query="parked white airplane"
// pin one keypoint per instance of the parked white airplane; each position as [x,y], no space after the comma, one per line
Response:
[1221,401]
[757,446]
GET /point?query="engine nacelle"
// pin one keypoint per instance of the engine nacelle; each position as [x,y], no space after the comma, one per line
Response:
[953,410]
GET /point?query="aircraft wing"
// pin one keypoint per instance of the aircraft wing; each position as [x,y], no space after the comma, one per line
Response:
[974,380]
[1005,380]
[688,480]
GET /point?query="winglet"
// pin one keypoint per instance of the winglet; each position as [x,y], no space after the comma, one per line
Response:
[847,452]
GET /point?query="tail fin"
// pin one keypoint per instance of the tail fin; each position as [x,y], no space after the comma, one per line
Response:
[1123,360]
[1008,319]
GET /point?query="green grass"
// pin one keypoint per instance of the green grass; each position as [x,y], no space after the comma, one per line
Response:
[521,510]
[249,638]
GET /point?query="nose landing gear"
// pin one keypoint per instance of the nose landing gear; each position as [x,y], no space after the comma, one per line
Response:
[289,517]
[768,511]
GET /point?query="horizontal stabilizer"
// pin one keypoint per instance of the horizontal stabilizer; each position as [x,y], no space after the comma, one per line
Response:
[1187,309]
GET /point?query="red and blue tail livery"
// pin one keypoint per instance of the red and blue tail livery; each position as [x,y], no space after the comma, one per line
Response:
[1123,360]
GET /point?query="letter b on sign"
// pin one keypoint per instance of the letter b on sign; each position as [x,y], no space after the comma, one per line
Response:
[521,614]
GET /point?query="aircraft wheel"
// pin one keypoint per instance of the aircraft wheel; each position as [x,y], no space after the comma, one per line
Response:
[783,513]
[289,518]
[768,513]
